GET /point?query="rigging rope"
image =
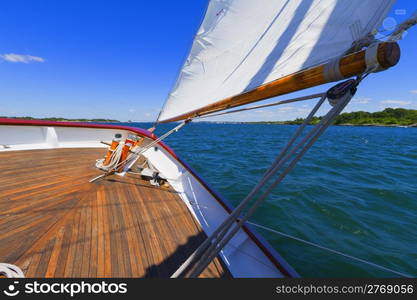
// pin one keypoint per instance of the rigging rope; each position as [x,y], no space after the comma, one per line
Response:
[313,96]
[404,26]
[230,232]
[395,36]
[211,247]
[133,157]
[328,249]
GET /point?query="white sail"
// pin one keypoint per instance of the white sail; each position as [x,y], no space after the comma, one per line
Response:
[242,44]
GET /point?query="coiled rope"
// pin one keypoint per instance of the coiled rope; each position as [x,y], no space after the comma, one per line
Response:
[114,160]
[133,157]
[11,271]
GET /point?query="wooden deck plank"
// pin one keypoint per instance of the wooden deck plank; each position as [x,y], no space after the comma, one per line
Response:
[54,223]
[63,254]
[100,234]
[94,238]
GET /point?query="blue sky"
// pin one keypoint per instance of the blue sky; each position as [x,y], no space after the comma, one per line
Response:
[119,59]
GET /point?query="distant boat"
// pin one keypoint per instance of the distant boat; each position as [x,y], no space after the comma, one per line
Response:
[140,210]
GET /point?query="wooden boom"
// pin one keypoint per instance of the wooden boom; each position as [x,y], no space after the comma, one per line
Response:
[382,56]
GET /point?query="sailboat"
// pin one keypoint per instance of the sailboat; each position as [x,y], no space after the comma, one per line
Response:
[106,200]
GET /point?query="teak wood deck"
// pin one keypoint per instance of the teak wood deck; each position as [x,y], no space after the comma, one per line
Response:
[54,223]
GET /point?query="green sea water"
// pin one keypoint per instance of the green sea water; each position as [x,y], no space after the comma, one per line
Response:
[355,191]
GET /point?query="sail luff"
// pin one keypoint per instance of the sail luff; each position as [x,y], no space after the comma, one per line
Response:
[387,55]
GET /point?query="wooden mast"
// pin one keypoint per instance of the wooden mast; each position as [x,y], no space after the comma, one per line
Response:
[384,54]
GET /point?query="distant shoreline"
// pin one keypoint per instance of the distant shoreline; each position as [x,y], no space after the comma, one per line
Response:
[211,122]
[347,124]
[380,125]
[280,123]
[389,117]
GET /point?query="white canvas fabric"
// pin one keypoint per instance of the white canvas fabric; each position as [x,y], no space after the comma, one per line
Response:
[242,44]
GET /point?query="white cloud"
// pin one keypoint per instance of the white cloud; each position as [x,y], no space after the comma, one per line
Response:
[413,91]
[361,100]
[286,108]
[400,12]
[396,102]
[21,58]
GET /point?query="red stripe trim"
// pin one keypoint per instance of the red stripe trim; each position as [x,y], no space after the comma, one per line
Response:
[266,248]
